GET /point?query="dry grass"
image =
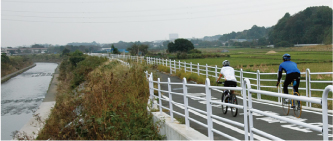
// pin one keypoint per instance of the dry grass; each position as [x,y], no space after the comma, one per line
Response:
[112,106]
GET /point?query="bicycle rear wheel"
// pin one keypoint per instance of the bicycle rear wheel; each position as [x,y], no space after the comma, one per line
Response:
[225,108]
[234,110]
[298,107]
[285,106]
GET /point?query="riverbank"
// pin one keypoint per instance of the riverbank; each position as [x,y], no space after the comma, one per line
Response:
[36,123]
[9,76]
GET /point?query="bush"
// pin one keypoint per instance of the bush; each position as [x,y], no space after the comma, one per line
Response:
[283,44]
[194,51]
[104,110]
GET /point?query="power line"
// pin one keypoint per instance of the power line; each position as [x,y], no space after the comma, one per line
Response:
[172,19]
[148,10]
[137,16]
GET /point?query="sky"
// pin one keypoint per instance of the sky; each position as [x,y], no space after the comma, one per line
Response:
[58,22]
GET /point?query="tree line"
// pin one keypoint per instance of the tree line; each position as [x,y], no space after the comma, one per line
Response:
[310,26]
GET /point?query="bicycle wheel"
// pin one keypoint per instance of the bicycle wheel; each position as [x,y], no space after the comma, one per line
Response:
[298,107]
[234,110]
[285,106]
[225,108]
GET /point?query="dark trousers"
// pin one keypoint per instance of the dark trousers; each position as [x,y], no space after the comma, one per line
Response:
[290,78]
[230,84]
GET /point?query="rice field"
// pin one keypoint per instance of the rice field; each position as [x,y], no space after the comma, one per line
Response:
[316,58]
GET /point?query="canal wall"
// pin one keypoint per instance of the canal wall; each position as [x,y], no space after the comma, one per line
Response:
[9,76]
[36,123]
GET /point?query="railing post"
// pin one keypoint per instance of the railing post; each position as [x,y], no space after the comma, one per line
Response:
[170,99]
[185,66]
[258,83]
[162,61]
[216,73]
[243,84]
[241,79]
[209,110]
[159,95]
[170,67]
[206,71]
[151,88]
[187,122]
[198,69]
[166,62]
[324,111]
[174,64]
[191,67]
[179,65]
[307,72]
[310,86]
[250,107]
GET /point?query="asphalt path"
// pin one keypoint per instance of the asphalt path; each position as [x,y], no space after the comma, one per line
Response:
[281,129]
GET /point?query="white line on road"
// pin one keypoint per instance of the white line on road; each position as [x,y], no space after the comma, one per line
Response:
[219,122]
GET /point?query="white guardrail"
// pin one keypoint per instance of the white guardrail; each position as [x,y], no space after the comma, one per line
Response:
[210,71]
[246,91]
[248,111]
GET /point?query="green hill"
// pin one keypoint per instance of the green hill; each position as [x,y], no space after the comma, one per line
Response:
[310,26]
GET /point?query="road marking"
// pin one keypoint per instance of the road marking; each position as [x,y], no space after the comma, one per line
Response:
[303,110]
[232,127]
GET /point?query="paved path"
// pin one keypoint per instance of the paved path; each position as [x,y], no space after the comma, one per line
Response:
[275,127]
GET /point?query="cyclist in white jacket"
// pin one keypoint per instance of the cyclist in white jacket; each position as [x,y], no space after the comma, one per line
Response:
[229,75]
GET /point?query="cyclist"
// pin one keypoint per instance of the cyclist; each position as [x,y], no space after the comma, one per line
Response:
[229,75]
[292,72]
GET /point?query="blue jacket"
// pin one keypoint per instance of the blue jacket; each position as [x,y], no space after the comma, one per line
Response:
[288,67]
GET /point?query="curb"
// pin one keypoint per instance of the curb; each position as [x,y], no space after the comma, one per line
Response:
[9,76]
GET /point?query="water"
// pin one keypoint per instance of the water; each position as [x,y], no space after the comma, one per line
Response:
[22,95]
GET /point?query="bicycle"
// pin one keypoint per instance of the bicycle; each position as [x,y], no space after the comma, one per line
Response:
[228,97]
[295,104]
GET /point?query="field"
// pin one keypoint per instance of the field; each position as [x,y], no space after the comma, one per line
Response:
[316,58]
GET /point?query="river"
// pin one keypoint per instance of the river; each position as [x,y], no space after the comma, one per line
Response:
[22,95]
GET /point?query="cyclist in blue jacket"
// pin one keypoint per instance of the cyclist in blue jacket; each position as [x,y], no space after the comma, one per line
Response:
[292,72]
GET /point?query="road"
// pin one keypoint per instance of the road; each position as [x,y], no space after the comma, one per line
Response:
[281,129]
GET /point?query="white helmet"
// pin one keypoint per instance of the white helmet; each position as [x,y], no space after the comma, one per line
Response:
[225,63]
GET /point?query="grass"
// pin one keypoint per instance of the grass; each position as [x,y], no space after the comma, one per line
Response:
[105,109]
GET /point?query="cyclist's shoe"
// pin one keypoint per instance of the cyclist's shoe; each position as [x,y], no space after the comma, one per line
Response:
[292,106]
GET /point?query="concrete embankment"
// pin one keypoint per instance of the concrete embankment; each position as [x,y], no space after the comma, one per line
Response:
[36,123]
[7,77]
[173,130]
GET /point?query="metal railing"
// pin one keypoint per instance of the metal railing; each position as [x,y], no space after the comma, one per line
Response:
[248,111]
[213,71]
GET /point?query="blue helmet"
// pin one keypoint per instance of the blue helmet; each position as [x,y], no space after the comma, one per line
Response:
[286,57]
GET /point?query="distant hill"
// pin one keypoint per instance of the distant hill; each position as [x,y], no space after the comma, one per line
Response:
[310,26]
[255,32]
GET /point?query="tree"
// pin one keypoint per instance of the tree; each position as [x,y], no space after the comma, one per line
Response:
[37,46]
[180,45]
[4,58]
[114,50]
[310,26]
[65,51]
[76,57]
[136,48]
